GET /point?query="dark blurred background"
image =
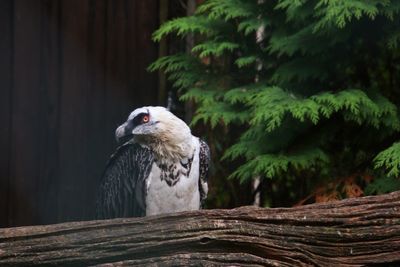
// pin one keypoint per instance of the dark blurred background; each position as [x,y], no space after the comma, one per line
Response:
[70,71]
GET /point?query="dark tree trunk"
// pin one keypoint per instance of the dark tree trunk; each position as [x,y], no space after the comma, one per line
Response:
[353,232]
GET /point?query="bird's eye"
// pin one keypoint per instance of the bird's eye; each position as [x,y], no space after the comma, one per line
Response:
[145,119]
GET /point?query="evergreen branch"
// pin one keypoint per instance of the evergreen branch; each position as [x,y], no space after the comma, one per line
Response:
[394,40]
[251,25]
[272,104]
[240,95]
[245,61]
[299,69]
[219,113]
[389,159]
[227,9]
[214,48]
[341,12]
[274,165]
[205,97]
[186,25]
[174,63]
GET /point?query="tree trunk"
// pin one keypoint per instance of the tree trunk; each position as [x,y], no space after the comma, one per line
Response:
[352,232]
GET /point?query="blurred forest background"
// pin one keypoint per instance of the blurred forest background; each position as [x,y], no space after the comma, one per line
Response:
[298,100]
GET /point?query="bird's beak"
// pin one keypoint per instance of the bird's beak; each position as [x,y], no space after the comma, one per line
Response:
[122,132]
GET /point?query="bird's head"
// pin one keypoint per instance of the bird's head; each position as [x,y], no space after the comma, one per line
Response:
[149,125]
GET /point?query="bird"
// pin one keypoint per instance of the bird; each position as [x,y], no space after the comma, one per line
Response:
[159,168]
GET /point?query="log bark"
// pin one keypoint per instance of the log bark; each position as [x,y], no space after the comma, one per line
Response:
[353,232]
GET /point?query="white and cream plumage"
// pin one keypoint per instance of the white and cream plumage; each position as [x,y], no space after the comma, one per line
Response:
[162,168]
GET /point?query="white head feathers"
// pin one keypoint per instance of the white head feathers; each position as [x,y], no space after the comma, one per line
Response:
[160,130]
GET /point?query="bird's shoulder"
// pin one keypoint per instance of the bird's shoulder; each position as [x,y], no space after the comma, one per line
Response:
[130,149]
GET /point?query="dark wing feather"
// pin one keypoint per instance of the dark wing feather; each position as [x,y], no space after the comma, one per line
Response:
[122,191]
[204,166]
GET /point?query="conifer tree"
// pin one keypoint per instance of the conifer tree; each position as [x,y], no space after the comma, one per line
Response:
[312,85]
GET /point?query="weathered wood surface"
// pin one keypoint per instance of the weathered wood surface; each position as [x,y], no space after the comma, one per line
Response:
[354,232]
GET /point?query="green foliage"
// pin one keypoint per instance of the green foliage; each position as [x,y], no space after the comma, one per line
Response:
[186,25]
[307,86]
[276,165]
[214,48]
[342,12]
[382,185]
[390,160]
[227,10]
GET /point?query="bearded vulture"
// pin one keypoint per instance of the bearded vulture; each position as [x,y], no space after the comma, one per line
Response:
[162,168]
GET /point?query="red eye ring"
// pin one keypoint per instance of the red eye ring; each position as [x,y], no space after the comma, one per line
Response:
[145,119]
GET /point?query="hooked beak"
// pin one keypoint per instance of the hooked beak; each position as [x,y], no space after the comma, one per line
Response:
[123,132]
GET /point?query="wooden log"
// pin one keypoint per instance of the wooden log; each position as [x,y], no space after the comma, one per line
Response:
[353,232]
